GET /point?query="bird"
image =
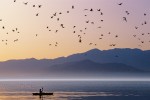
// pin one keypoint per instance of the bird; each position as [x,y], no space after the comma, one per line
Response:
[145,14]
[92,22]
[15,40]
[90,43]
[116,36]
[127,12]
[136,27]
[125,19]
[120,4]
[3,27]
[39,6]
[134,35]
[80,40]
[91,9]
[54,14]
[87,21]
[145,22]
[50,44]
[62,25]
[37,14]
[142,33]
[85,9]
[67,11]
[56,31]
[36,35]
[57,19]
[13,30]
[72,7]
[14,0]
[98,9]
[25,3]
[33,5]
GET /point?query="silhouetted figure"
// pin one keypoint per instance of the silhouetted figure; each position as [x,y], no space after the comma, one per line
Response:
[40,91]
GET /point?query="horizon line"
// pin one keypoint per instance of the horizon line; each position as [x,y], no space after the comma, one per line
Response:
[107,79]
[67,55]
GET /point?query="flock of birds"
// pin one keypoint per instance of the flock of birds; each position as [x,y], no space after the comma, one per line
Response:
[80,33]
[7,32]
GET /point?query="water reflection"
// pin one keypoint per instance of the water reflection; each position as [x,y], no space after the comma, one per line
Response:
[74,90]
[61,95]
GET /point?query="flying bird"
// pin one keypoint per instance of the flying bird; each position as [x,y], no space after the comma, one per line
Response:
[25,3]
[39,6]
[37,14]
[91,9]
[98,9]
[72,7]
[127,12]
[136,27]
[125,19]
[120,4]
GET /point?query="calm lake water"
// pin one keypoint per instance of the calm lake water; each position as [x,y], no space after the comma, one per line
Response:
[76,90]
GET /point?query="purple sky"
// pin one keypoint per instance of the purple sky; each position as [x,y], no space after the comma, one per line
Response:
[36,40]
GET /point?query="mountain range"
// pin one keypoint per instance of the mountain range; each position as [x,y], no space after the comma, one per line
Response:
[93,62]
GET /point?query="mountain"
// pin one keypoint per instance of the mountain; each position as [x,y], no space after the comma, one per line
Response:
[94,61]
[87,66]
[132,57]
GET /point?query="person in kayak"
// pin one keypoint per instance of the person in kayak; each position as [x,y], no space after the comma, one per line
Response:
[40,91]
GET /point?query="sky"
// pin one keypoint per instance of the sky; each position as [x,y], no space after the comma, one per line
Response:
[32,38]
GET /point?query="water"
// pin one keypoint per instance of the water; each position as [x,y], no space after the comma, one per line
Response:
[76,90]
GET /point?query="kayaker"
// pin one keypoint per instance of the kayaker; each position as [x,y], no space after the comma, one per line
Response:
[40,91]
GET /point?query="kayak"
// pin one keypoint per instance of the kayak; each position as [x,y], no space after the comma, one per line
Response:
[42,93]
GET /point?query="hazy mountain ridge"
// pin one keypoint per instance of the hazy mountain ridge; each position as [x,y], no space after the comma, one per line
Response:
[88,66]
[92,61]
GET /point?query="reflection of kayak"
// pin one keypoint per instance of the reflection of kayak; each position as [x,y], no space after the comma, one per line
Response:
[42,93]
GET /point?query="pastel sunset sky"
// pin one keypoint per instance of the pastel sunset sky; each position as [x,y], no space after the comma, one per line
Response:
[30,32]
